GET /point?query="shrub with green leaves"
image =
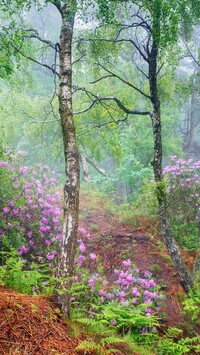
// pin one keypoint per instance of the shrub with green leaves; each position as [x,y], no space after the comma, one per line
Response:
[183,186]
[20,275]
[191,305]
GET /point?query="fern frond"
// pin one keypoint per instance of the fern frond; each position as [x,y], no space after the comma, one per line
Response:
[173,332]
[190,340]
[111,340]
[113,351]
[135,348]
[87,321]
[86,345]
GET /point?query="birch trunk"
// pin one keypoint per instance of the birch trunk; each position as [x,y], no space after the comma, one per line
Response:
[71,188]
[172,247]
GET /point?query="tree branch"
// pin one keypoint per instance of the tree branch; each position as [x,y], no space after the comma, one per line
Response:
[136,25]
[77,60]
[103,77]
[33,120]
[111,40]
[36,36]
[142,72]
[191,55]
[124,81]
[119,104]
[35,61]
[159,69]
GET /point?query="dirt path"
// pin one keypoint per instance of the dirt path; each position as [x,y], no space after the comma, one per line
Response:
[112,241]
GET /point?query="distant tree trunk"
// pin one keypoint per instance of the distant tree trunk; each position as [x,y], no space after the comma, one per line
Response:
[86,173]
[96,167]
[189,146]
[71,188]
[173,250]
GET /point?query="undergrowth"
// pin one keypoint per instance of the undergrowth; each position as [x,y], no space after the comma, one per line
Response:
[123,318]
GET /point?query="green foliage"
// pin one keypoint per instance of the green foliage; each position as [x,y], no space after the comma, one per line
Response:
[155,269]
[130,320]
[160,190]
[105,338]
[22,117]
[169,344]
[101,347]
[191,305]
[146,203]
[102,335]
[15,274]
[107,318]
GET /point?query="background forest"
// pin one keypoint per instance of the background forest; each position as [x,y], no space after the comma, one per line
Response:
[132,65]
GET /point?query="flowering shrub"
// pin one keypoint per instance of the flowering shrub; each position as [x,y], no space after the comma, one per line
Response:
[30,224]
[131,292]
[28,211]
[183,187]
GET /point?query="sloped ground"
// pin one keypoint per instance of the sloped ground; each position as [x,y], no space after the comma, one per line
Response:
[29,325]
[113,242]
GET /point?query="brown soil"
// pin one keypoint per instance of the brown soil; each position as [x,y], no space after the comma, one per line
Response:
[29,325]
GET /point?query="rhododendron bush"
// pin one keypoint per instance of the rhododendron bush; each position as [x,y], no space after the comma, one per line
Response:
[29,213]
[183,187]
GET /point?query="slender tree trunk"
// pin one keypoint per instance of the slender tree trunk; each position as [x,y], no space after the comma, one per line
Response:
[84,164]
[189,146]
[172,247]
[96,167]
[71,188]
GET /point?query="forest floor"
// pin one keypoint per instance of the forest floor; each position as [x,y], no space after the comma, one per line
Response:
[30,324]
[113,241]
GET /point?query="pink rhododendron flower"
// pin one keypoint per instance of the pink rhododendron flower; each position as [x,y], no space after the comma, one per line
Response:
[126,263]
[23,170]
[92,256]
[101,292]
[135,301]
[110,296]
[59,237]
[3,163]
[56,213]
[80,260]
[82,230]
[23,250]
[6,209]
[82,247]
[50,256]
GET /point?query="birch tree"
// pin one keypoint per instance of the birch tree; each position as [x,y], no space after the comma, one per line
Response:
[67,10]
